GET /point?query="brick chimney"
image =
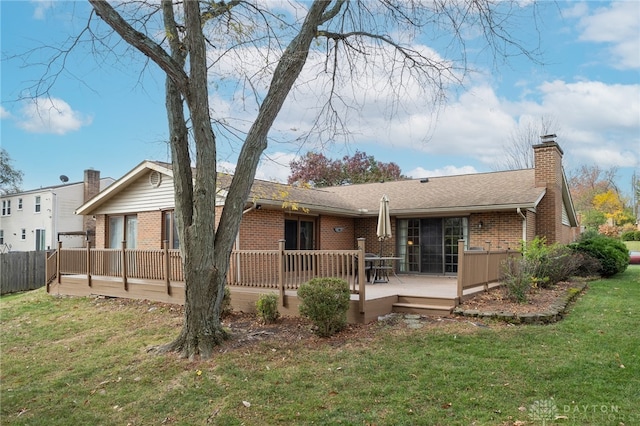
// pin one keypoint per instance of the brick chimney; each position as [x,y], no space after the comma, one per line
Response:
[91,189]
[549,174]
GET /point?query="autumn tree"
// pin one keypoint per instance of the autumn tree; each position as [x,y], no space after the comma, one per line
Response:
[10,177]
[218,48]
[597,198]
[319,171]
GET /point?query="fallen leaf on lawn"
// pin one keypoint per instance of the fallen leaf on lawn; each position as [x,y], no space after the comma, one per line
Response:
[447,405]
[246,404]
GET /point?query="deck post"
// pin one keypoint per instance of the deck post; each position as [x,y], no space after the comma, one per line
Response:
[58,263]
[361,274]
[123,258]
[88,263]
[166,263]
[281,271]
[486,281]
[460,269]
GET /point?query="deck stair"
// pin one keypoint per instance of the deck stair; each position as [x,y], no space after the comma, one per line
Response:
[424,305]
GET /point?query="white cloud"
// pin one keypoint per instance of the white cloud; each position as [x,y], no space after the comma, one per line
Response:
[51,115]
[41,7]
[275,166]
[419,172]
[617,25]
[598,122]
[4,113]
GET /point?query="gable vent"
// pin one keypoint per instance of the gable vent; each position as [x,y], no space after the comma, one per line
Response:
[155,178]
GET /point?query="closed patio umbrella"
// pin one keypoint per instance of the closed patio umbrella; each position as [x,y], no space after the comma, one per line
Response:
[384,221]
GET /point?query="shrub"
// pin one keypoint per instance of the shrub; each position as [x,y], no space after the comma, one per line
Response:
[325,301]
[609,230]
[610,252]
[630,236]
[587,265]
[551,264]
[517,276]
[267,307]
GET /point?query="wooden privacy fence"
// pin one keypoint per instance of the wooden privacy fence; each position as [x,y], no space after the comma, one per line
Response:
[270,269]
[22,271]
[480,267]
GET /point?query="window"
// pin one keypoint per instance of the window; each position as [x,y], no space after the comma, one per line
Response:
[37,208]
[23,234]
[1,236]
[123,228]
[6,207]
[19,203]
[40,239]
[170,230]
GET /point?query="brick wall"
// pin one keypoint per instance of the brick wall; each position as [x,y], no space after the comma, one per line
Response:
[502,229]
[329,239]
[261,230]
[548,173]
[367,228]
[149,230]
[91,189]
[101,231]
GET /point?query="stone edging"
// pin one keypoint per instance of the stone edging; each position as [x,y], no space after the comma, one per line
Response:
[553,313]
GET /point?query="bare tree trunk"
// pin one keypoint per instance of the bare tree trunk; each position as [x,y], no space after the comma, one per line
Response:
[202,329]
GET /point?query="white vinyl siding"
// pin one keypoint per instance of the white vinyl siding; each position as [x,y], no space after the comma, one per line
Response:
[565,216]
[141,196]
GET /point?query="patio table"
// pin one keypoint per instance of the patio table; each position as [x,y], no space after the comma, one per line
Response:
[380,267]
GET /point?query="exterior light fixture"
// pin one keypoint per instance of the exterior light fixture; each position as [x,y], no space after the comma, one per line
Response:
[480,225]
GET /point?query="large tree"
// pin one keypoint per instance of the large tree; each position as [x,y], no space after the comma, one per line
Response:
[357,44]
[10,177]
[319,171]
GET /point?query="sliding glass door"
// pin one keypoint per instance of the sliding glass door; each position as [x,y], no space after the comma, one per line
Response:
[430,245]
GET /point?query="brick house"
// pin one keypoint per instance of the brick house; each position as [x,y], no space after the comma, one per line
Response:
[428,215]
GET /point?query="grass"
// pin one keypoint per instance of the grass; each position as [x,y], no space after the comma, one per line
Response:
[83,361]
[633,245]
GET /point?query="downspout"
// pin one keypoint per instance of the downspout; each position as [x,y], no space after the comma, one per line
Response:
[524,224]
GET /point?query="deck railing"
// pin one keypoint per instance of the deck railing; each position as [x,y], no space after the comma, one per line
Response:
[270,269]
[480,267]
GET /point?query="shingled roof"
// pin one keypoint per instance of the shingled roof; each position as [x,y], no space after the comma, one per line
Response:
[437,195]
[463,193]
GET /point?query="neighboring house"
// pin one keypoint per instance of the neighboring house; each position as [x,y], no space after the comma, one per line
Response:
[428,215]
[36,219]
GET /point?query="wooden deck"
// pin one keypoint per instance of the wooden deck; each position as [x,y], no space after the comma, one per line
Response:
[157,275]
[421,294]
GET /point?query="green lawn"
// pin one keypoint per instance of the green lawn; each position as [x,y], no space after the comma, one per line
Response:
[633,245]
[74,361]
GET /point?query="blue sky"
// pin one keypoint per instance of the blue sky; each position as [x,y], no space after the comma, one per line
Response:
[110,116]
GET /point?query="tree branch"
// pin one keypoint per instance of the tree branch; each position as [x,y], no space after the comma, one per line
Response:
[141,42]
